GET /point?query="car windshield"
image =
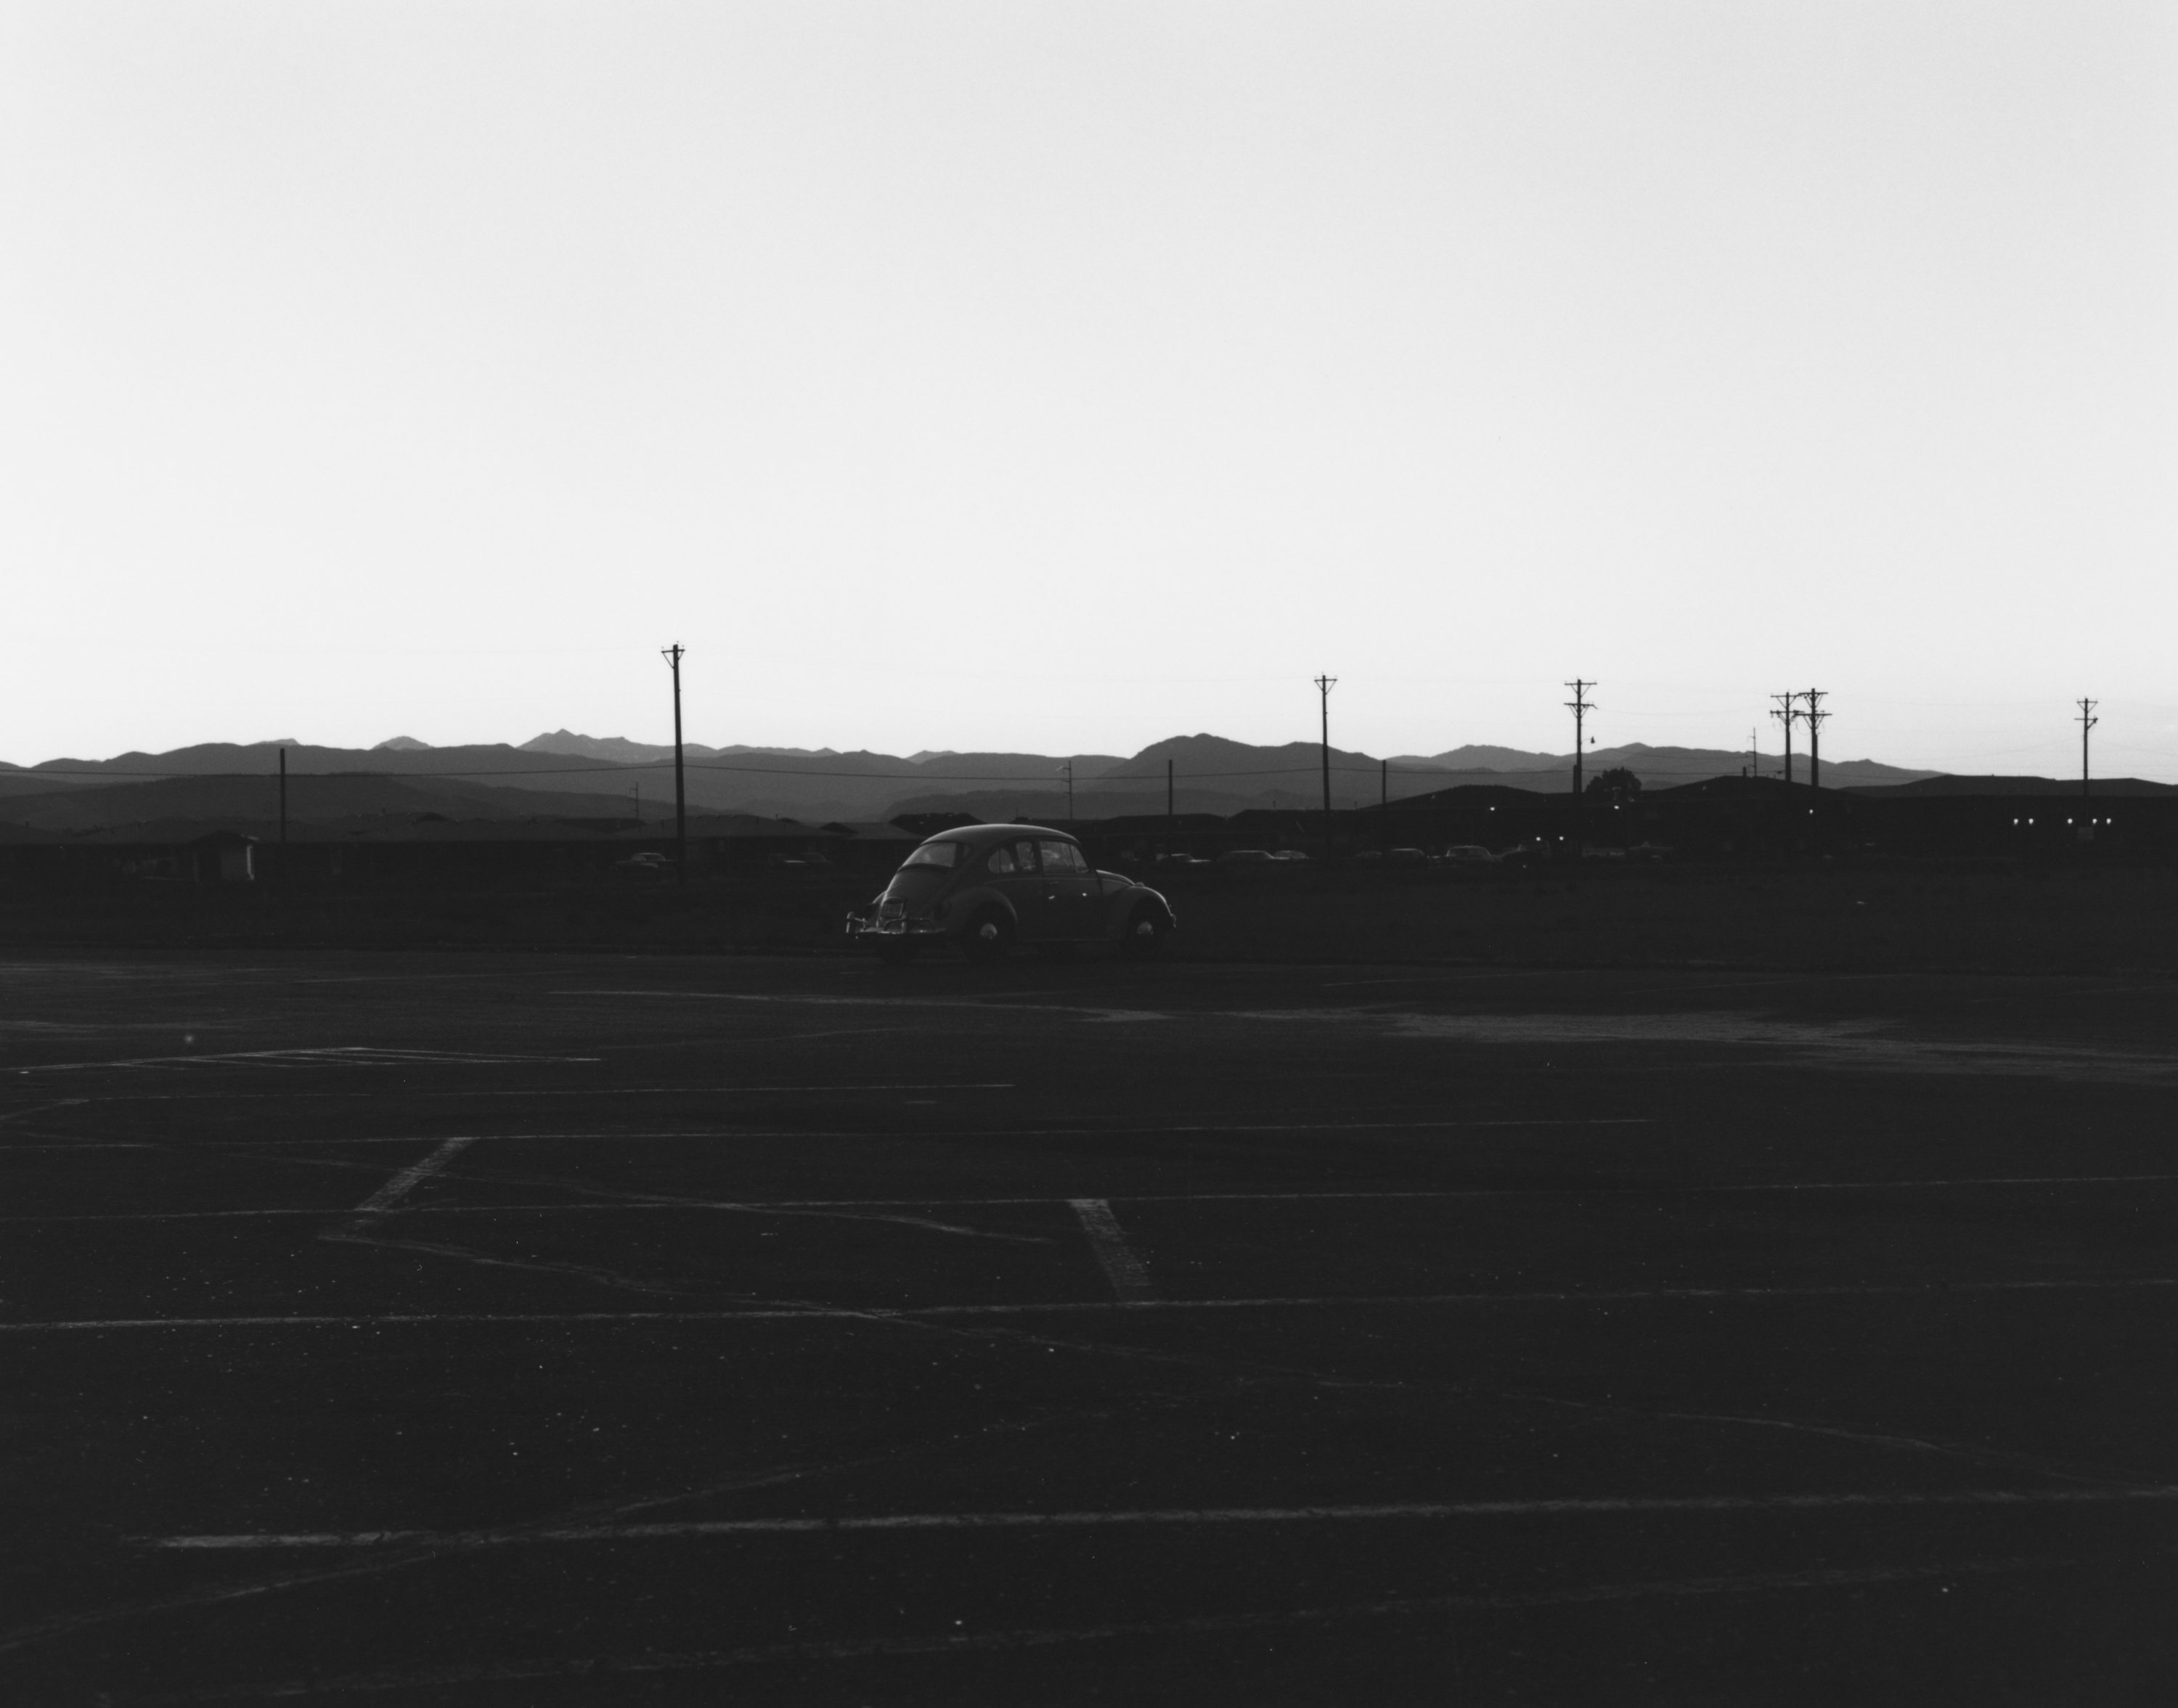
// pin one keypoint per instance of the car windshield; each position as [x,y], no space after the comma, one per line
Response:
[944,854]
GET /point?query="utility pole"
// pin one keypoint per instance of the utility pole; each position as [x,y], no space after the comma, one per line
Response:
[1171,817]
[1787,709]
[1814,714]
[672,655]
[1384,803]
[2086,720]
[283,798]
[1580,706]
[1068,769]
[1324,685]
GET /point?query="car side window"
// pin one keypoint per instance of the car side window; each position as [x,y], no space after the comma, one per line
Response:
[1024,857]
[1060,857]
[1000,863]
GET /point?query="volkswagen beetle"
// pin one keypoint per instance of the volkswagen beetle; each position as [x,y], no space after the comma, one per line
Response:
[985,888]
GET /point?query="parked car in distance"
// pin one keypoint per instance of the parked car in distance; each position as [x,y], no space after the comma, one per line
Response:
[646,862]
[1468,854]
[1289,854]
[1407,856]
[1245,856]
[984,888]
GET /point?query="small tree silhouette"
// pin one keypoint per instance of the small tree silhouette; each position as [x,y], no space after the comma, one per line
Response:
[1618,784]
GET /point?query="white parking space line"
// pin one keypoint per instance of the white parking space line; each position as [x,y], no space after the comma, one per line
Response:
[874,1313]
[1130,1277]
[1393,1511]
[390,1195]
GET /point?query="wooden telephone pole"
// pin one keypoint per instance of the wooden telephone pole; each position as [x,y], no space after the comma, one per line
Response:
[1580,706]
[1324,685]
[673,655]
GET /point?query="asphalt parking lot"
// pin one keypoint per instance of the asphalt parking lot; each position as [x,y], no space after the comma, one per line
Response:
[554,1330]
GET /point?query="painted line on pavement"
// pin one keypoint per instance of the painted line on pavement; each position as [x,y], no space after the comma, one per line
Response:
[1125,1270]
[390,1195]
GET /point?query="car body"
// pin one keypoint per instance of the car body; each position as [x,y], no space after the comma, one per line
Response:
[655,864]
[985,888]
[1290,854]
[1468,854]
[1245,856]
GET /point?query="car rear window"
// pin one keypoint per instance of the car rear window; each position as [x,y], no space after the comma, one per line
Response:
[946,854]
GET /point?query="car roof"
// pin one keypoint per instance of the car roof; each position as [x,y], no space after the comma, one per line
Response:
[975,835]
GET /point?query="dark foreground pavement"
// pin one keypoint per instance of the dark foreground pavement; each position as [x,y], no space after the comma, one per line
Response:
[539,1330]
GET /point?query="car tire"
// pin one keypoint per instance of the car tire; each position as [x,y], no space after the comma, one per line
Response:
[987,937]
[1147,929]
[893,953]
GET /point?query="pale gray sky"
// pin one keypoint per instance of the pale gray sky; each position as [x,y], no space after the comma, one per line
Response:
[1066,375]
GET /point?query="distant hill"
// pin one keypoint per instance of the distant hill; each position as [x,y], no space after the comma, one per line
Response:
[1943,785]
[233,801]
[616,749]
[1212,773]
[1658,768]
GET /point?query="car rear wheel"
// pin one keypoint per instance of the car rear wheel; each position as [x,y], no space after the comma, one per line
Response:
[1146,933]
[987,937]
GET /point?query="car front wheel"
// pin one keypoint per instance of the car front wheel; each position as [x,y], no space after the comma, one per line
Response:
[987,938]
